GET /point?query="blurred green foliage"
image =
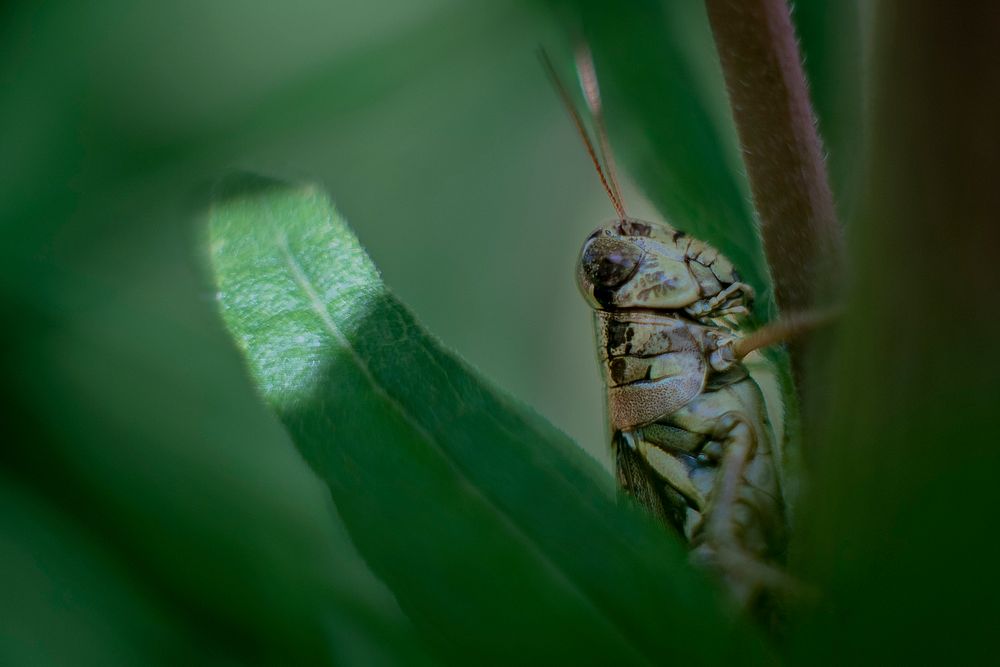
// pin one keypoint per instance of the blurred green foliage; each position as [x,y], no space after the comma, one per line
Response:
[154,510]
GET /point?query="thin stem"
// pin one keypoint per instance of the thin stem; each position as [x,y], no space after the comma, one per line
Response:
[781,148]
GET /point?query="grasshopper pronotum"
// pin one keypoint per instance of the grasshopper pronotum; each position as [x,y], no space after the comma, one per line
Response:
[691,438]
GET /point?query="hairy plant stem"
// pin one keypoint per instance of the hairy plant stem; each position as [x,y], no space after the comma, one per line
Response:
[782,151]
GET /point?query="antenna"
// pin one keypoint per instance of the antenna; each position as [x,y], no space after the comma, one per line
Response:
[582,130]
[592,92]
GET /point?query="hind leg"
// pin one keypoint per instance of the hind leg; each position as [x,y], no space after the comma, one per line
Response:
[731,536]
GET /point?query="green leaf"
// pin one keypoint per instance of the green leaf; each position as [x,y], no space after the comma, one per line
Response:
[498,536]
[902,505]
[67,600]
[133,418]
[832,48]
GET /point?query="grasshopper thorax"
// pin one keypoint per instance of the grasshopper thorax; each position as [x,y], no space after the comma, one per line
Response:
[632,264]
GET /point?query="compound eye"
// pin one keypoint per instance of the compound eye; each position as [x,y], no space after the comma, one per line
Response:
[610,262]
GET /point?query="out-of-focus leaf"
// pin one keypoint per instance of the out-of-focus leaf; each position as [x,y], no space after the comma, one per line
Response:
[902,510]
[665,100]
[833,48]
[499,538]
[66,600]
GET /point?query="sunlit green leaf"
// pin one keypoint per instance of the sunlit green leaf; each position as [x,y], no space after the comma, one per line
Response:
[177,472]
[498,536]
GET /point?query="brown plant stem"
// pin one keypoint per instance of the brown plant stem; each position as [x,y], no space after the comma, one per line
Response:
[781,149]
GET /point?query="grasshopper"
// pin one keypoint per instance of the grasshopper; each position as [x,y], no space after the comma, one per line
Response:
[690,435]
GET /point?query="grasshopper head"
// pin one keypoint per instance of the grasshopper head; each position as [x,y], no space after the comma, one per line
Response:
[633,264]
[629,263]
